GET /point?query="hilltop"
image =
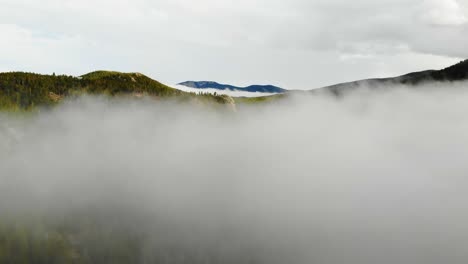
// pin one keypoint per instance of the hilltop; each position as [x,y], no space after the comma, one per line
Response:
[22,90]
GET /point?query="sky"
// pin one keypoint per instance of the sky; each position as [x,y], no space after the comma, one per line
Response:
[295,44]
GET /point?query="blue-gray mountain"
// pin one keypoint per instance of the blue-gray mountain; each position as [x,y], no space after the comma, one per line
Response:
[219,86]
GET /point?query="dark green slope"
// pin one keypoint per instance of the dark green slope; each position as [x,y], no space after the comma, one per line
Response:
[457,72]
[24,91]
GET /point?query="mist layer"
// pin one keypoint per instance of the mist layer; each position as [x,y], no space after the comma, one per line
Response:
[372,177]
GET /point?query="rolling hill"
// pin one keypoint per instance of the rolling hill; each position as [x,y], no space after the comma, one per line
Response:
[25,91]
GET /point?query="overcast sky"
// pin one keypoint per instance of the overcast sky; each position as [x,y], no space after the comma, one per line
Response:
[296,44]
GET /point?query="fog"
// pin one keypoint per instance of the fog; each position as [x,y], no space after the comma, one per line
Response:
[370,177]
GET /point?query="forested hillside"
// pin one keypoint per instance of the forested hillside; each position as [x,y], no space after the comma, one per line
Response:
[25,91]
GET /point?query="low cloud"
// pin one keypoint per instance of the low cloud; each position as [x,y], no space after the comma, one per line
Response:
[372,177]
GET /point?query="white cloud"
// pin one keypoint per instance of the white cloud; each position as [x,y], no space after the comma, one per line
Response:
[444,13]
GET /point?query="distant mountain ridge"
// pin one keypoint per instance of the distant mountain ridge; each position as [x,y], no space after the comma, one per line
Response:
[223,87]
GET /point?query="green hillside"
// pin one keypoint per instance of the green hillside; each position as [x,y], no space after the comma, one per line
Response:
[25,91]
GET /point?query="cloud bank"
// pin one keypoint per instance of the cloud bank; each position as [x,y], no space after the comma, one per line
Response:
[367,178]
